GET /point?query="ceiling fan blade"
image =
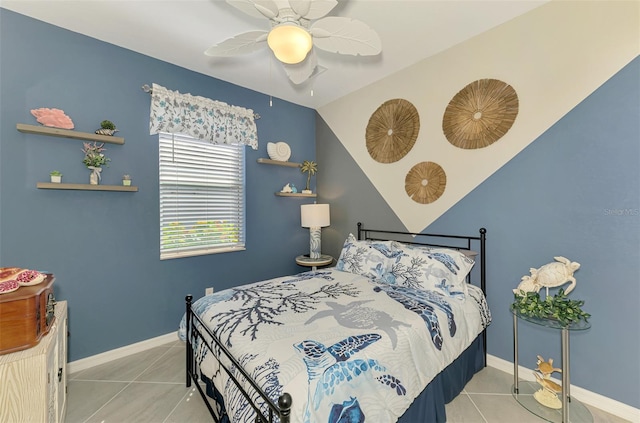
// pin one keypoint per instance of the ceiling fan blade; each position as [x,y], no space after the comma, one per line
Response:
[345,36]
[267,7]
[312,9]
[240,44]
[302,71]
[301,7]
[250,7]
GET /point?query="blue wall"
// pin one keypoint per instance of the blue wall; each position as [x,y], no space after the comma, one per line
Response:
[573,192]
[103,247]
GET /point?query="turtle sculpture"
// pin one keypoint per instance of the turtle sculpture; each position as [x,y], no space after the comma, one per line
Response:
[550,275]
[547,395]
[546,367]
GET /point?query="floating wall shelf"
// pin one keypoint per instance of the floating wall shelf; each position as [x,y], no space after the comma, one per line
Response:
[287,164]
[294,194]
[86,187]
[279,163]
[66,133]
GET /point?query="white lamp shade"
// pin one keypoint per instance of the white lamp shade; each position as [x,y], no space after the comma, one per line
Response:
[290,43]
[314,215]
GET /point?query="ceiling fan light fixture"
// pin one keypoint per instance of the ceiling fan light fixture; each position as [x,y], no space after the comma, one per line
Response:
[290,43]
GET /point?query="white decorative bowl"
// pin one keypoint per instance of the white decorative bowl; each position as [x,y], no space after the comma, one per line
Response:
[279,151]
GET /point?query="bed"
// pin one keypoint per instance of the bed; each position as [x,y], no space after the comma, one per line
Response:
[392,333]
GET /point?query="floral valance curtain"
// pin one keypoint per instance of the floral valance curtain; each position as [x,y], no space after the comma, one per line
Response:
[200,117]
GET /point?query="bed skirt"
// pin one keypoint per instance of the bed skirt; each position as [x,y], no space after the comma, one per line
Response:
[429,406]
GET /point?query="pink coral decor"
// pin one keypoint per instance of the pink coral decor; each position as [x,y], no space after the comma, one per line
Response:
[52,117]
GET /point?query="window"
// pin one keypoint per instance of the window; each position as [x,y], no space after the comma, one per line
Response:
[202,197]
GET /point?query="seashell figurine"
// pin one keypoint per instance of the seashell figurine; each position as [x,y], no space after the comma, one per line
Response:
[279,151]
[105,131]
[107,128]
[54,118]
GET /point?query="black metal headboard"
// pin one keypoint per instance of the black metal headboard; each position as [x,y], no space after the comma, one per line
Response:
[456,242]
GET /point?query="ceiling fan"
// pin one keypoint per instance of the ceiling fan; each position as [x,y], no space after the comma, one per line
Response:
[293,35]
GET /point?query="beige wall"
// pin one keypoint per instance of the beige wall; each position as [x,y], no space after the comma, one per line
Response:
[553,56]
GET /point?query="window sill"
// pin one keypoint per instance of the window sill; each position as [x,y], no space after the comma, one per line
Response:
[203,252]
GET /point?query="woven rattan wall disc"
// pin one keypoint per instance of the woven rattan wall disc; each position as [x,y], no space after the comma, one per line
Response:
[480,114]
[425,182]
[392,130]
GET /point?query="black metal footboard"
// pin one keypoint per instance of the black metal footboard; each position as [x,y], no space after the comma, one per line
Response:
[281,411]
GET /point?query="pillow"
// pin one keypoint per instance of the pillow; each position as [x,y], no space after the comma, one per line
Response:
[436,269]
[367,258]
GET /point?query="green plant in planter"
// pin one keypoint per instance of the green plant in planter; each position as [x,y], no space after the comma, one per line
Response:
[107,124]
[558,307]
[56,176]
[94,155]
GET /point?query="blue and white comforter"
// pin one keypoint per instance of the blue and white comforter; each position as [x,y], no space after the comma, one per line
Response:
[339,343]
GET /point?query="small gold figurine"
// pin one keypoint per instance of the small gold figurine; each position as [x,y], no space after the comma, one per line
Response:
[548,394]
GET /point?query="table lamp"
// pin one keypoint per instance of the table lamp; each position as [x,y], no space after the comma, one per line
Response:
[314,217]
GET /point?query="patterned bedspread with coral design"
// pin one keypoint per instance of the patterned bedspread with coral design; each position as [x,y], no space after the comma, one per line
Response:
[339,343]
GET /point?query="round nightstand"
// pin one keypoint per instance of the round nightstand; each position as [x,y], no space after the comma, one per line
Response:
[323,260]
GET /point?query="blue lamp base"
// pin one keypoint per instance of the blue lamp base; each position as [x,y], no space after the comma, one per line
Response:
[314,242]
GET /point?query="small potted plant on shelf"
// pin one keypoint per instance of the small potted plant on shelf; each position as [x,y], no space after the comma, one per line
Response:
[56,176]
[126,180]
[94,159]
[106,128]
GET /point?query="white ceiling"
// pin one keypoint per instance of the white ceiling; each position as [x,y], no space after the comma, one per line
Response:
[179,31]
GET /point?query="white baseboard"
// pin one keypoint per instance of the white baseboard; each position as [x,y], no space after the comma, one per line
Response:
[107,356]
[609,405]
[603,403]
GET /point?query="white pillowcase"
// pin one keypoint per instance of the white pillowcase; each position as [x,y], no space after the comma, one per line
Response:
[367,258]
[436,269]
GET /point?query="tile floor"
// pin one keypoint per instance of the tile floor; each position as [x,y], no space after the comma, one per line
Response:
[149,387]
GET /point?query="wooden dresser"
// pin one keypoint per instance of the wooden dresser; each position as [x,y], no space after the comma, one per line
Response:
[33,382]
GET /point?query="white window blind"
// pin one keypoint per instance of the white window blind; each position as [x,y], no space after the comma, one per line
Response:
[202,197]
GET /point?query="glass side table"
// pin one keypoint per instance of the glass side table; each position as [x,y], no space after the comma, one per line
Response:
[572,409]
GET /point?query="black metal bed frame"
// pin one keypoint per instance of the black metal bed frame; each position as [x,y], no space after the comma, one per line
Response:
[282,410]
